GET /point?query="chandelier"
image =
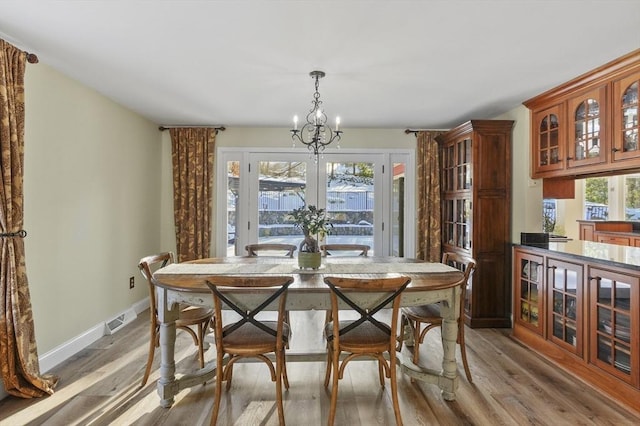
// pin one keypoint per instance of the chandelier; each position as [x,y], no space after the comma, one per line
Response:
[315,133]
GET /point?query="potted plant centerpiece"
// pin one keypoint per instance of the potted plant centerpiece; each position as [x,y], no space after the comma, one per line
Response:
[314,225]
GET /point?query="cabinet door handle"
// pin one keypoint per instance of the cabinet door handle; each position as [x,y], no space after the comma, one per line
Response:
[614,150]
[551,267]
[569,158]
[594,278]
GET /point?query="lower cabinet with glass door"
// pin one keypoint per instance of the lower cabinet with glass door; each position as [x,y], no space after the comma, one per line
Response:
[583,316]
[565,322]
[614,327]
[529,291]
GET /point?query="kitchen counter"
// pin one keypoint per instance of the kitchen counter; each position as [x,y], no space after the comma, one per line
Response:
[617,255]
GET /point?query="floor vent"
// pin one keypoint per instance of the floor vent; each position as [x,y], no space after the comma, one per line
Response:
[115,324]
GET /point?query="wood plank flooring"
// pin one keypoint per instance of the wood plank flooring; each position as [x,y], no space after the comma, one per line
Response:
[512,386]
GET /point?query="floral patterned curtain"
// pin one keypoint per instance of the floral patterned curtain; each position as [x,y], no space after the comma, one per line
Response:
[18,351]
[429,217]
[192,154]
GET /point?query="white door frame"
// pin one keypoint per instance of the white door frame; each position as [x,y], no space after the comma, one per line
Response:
[383,176]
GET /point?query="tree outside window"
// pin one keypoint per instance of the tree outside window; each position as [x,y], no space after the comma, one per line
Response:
[596,197]
[632,197]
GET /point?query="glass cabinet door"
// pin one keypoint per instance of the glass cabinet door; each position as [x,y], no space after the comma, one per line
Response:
[586,129]
[448,168]
[549,139]
[614,341]
[625,118]
[564,281]
[457,180]
[529,299]
[463,164]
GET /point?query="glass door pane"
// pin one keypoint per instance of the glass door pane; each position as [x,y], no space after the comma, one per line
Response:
[398,210]
[365,196]
[350,198]
[282,187]
[233,195]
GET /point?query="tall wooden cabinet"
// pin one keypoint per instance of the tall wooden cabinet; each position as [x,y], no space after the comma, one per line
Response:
[476,213]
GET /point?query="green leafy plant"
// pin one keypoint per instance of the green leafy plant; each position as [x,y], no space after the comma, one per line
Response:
[314,225]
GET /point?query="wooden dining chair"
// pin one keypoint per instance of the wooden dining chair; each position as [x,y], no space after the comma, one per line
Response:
[345,250]
[250,337]
[430,316]
[349,249]
[189,316]
[366,336]
[271,249]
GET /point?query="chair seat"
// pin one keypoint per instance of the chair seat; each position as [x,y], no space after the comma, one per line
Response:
[190,315]
[249,338]
[430,315]
[423,313]
[365,338]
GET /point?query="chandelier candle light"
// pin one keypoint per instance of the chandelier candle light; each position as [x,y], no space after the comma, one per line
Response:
[315,133]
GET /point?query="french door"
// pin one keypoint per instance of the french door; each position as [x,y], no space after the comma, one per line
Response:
[364,194]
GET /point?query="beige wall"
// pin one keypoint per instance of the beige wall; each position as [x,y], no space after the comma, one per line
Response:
[270,138]
[91,204]
[98,196]
[281,138]
[526,194]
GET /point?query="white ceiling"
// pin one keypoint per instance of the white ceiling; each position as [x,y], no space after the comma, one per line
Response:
[389,64]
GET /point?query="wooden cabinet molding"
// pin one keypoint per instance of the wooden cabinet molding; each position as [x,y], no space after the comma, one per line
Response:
[564,143]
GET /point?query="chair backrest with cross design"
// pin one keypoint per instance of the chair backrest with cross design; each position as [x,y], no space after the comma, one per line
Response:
[366,336]
[248,336]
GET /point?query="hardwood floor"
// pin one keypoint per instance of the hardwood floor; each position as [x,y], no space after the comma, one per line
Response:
[512,386]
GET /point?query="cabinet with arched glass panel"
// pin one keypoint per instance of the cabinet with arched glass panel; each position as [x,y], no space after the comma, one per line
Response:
[549,140]
[586,129]
[625,118]
[588,125]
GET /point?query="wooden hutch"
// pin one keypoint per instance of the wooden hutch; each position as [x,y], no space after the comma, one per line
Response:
[476,213]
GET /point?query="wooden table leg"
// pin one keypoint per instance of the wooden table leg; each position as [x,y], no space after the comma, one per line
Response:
[167,385]
[449,334]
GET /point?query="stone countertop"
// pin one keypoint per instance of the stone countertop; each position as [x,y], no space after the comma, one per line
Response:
[606,254]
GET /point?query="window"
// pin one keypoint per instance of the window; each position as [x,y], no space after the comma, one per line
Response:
[549,215]
[632,197]
[367,196]
[596,199]
[612,198]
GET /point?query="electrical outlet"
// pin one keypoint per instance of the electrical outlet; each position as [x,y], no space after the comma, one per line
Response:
[132,282]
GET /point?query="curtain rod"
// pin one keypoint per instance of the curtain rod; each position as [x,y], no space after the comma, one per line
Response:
[407,131]
[32,58]
[217,128]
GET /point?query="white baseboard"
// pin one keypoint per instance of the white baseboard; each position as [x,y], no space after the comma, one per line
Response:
[76,344]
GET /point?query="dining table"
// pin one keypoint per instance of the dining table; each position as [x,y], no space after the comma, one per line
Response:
[185,283]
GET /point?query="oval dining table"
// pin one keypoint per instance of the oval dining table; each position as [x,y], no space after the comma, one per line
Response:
[186,283]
